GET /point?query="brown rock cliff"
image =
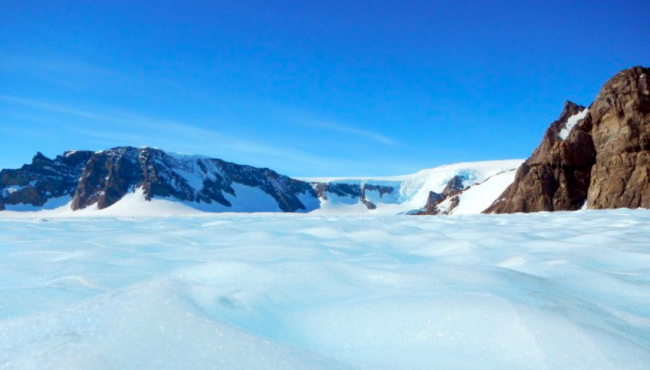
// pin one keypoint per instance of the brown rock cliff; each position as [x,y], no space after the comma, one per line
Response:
[621,134]
[604,161]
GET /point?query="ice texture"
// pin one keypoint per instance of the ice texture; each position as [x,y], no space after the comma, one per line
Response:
[564,290]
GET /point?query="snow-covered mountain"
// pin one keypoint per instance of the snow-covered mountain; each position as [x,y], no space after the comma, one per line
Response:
[84,180]
[127,180]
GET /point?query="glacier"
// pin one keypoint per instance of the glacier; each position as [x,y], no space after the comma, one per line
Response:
[320,291]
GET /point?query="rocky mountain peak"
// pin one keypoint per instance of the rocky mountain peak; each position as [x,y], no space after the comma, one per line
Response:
[602,159]
[40,158]
[570,109]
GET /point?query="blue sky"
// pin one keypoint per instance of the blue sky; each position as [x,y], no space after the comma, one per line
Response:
[308,88]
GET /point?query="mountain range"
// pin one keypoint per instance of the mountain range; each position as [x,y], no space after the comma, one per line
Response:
[131,179]
[590,157]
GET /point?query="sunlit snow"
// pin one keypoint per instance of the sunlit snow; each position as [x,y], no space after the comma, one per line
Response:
[288,291]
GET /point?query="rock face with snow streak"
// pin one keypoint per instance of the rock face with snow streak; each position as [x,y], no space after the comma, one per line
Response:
[602,159]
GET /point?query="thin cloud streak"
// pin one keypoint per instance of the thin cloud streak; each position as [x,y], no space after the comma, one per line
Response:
[21,63]
[304,118]
[129,129]
[332,126]
[62,71]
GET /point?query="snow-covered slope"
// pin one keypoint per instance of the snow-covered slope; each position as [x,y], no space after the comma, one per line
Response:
[477,198]
[563,290]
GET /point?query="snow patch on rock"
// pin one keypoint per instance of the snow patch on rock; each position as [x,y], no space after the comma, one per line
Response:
[571,122]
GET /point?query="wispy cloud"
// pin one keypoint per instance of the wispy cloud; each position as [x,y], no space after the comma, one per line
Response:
[305,118]
[125,128]
[60,70]
[366,134]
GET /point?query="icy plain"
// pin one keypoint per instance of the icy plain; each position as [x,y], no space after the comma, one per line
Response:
[286,291]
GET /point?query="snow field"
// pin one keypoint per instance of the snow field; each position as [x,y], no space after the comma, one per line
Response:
[286,291]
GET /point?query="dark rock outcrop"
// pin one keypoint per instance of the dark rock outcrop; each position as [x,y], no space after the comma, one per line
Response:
[431,207]
[604,161]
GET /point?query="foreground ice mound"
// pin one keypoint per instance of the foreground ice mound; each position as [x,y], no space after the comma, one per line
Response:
[544,291]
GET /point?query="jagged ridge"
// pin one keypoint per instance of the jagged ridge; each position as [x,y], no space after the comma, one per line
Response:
[103,178]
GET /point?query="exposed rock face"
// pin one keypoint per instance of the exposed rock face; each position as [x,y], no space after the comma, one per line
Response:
[430,208]
[603,160]
[621,134]
[103,178]
[106,178]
